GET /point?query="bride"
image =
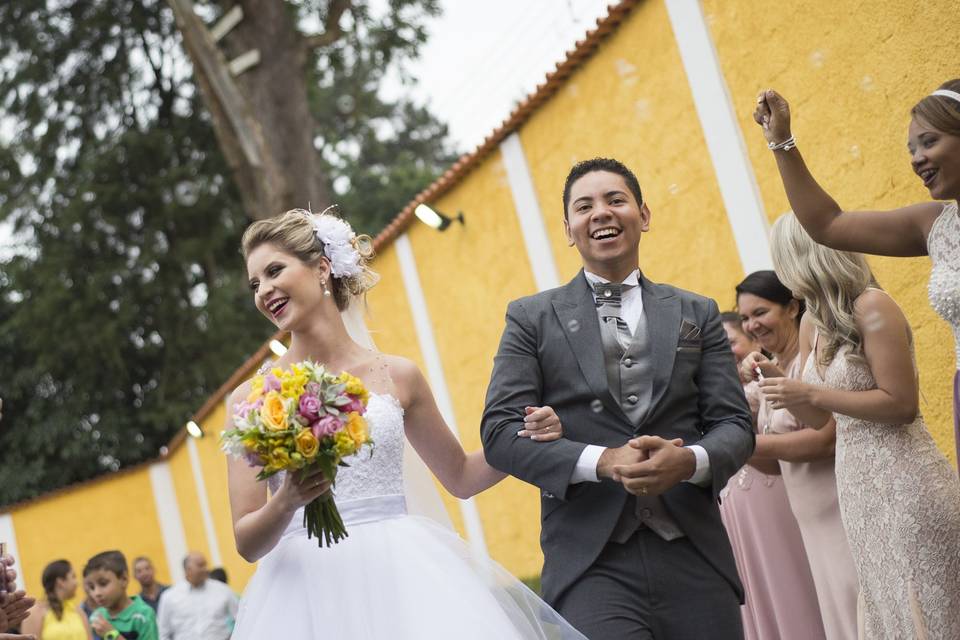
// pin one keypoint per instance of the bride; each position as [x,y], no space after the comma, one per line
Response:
[397,575]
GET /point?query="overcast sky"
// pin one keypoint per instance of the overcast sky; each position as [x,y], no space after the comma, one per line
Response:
[482,57]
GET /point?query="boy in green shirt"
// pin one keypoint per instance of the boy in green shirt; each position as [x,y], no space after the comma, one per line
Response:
[119,616]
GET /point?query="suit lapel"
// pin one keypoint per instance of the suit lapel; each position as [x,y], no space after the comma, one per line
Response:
[661,308]
[578,318]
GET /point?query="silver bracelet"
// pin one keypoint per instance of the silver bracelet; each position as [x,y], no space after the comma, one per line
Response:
[786,145]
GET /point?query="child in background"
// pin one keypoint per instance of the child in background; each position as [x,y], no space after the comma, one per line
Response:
[119,615]
[89,605]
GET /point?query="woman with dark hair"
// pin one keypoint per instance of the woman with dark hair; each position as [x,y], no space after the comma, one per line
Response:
[781,599]
[57,616]
[770,313]
[926,228]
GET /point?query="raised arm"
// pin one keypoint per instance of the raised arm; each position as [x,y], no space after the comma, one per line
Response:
[516,383]
[258,523]
[897,232]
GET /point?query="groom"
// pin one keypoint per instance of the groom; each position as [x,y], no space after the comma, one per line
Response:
[655,422]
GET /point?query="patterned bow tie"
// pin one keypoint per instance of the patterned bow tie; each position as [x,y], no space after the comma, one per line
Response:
[609,293]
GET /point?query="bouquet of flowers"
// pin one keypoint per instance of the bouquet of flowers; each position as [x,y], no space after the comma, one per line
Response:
[297,421]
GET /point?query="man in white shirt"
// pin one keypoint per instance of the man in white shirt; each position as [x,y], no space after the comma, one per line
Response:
[197,608]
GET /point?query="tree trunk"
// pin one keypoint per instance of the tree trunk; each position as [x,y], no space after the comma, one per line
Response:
[262,118]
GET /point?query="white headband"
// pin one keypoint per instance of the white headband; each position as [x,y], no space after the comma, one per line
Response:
[946,93]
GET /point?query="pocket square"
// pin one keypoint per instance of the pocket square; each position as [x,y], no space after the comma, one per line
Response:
[689,332]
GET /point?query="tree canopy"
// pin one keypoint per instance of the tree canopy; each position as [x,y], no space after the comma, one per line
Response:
[124,304]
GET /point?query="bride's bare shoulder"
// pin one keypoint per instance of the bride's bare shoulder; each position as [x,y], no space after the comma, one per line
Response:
[405,377]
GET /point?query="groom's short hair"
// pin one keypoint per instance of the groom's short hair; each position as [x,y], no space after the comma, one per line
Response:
[600,164]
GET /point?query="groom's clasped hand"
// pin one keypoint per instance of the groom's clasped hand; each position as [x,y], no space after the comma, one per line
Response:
[648,465]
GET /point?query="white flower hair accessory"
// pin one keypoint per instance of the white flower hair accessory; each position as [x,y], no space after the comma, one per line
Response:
[337,237]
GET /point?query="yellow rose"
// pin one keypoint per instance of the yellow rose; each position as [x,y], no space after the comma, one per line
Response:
[357,428]
[279,458]
[343,444]
[307,444]
[274,412]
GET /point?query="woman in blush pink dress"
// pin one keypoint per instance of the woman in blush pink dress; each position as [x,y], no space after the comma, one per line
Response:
[806,456]
[781,600]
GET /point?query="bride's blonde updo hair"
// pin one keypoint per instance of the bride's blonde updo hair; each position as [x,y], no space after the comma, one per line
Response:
[830,282]
[296,232]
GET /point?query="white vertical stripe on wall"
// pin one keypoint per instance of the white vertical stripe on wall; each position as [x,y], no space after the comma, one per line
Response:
[528,213]
[9,535]
[438,382]
[201,486]
[738,185]
[168,515]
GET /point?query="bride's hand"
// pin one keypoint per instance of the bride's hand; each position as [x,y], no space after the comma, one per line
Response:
[773,114]
[541,424]
[300,489]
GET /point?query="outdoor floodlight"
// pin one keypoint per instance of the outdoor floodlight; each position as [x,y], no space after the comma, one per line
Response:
[194,429]
[435,219]
[278,348]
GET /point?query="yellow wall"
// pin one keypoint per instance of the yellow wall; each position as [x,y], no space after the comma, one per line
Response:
[391,325]
[469,274]
[116,513]
[631,101]
[851,78]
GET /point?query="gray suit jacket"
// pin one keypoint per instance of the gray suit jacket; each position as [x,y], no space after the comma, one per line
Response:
[551,354]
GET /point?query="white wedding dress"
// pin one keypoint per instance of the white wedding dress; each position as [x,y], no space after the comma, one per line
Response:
[396,576]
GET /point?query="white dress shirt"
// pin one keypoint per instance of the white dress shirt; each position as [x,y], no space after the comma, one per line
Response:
[631,310]
[206,612]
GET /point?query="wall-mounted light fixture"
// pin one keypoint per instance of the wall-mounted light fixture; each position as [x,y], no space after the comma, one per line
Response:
[436,219]
[194,430]
[278,348]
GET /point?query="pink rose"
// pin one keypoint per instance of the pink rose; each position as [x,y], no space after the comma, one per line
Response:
[309,408]
[325,426]
[356,404]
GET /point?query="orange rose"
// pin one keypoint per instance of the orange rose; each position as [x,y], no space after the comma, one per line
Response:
[274,412]
[357,428]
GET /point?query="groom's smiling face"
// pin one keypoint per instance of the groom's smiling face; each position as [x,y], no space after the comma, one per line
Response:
[604,221]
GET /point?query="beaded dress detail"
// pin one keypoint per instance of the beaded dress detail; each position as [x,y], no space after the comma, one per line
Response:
[900,503]
[943,245]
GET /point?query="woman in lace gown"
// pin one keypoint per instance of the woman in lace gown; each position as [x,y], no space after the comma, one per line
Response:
[899,497]
[927,228]
[396,575]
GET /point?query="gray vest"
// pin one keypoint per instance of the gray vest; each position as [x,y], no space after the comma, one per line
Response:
[629,374]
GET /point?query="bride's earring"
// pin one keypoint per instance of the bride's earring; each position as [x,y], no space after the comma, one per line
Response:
[326,291]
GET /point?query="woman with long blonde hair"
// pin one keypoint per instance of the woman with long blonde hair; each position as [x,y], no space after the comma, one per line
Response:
[899,497]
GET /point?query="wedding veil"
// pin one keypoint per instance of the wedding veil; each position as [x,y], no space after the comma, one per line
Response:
[422,496]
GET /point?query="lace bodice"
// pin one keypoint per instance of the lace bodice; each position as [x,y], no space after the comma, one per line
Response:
[379,474]
[943,245]
[900,504]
